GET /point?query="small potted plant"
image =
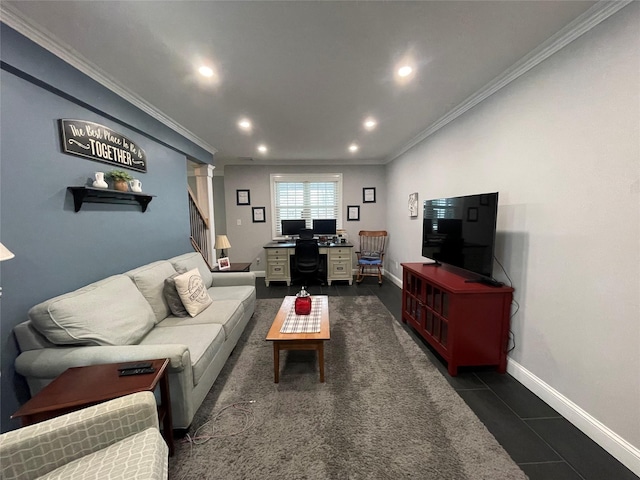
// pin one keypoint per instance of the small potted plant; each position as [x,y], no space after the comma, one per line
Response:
[120,179]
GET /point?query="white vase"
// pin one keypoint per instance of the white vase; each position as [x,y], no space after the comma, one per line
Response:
[136,185]
[99,182]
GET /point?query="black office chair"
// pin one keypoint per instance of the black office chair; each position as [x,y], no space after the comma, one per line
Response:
[308,260]
[306,234]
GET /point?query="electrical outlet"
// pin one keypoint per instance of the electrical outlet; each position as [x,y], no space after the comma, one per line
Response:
[396,264]
[258,261]
[238,222]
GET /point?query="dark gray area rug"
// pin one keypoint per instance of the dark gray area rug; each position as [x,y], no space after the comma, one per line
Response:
[384,412]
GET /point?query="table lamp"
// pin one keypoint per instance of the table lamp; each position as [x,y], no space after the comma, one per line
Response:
[222,242]
[5,254]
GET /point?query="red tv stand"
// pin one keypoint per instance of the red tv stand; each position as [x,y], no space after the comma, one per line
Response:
[466,323]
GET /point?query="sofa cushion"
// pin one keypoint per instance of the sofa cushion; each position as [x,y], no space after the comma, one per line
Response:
[241,293]
[192,292]
[370,255]
[109,312]
[203,342]
[143,455]
[222,312]
[189,261]
[29,338]
[150,281]
[172,297]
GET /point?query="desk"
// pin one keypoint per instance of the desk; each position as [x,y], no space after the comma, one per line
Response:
[338,255]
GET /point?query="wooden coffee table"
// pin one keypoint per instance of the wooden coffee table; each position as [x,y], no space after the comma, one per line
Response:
[299,341]
[80,387]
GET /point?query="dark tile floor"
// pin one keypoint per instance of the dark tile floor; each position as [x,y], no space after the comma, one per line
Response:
[539,439]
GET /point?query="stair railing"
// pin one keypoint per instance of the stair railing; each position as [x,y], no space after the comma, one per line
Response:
[200,238]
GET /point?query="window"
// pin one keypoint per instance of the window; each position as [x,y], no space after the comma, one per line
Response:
[305,197]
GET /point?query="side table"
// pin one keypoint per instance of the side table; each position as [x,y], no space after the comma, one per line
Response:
[81,387]
[235,267]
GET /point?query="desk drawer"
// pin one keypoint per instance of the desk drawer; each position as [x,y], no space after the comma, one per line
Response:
[340,257]
[340,270]
[277,252]
[340,251]
[278,270]
[278,258]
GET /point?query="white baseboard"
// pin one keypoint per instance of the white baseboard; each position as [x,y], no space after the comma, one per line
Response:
[613,443]
[397,281]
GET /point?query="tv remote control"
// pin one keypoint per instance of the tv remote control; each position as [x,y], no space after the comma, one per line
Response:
[137,371]
[135,366]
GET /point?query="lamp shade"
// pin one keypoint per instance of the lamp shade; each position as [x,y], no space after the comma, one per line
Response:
[5,253]
[222,242]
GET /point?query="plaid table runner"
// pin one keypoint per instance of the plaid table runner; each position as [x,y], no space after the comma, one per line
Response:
[303,323]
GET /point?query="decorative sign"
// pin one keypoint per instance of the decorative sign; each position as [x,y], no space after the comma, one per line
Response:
[413,205]
[97,142]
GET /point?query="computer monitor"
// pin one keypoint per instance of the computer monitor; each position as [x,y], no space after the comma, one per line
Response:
[292,227]
[325,226]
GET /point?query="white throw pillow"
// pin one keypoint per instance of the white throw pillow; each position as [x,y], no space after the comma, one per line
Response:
[192,291]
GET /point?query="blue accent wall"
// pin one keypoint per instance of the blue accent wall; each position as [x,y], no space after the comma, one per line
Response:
[58,250]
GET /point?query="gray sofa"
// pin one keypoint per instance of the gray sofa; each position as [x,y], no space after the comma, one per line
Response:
[126,318]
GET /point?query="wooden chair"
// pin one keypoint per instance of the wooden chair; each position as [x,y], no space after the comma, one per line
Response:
[371,254]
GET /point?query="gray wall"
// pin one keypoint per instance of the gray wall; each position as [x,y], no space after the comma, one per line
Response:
[58,250]
[562,146]
[248,238]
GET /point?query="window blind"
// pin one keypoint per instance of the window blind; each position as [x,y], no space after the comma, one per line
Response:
[305,199]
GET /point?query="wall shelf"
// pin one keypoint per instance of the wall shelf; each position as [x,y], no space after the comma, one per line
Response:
[102,195]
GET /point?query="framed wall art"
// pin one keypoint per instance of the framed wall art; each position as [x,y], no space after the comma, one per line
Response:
[369,195]
[258,214]
[413,204]
[353,213]
[243,197]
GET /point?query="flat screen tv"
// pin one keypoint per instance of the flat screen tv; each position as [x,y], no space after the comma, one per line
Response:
[292,227]
[461,231]
[324,226]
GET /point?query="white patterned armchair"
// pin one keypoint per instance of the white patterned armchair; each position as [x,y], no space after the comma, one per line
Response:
[118,439]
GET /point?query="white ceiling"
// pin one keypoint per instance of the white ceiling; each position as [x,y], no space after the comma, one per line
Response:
[306,73]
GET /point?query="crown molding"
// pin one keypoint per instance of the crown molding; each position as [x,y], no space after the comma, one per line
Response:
[585,22]
[582,24]
[16,20]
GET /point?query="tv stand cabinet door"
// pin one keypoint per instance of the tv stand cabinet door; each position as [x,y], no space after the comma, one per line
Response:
[467,324]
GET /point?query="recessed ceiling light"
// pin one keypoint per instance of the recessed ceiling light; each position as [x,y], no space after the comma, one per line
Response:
[370,123]
[244,124]
[262,148]
[206,71]
[405,71]
[353,147]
